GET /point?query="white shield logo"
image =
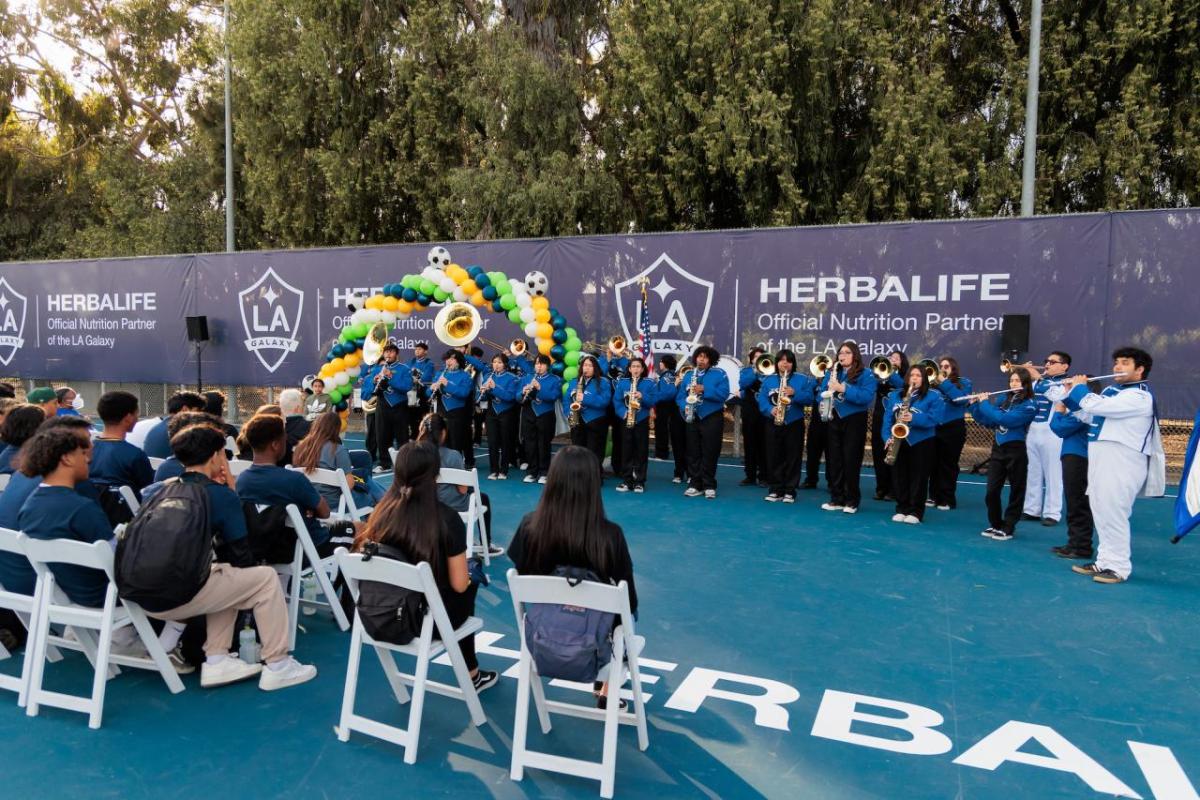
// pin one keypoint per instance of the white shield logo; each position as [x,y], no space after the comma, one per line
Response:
[12,321]
[271,310]
[677,299]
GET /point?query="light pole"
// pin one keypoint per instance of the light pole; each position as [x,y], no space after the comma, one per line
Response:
[229,245]
[1029,173]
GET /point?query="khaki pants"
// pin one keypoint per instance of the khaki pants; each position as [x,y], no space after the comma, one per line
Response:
[229,590]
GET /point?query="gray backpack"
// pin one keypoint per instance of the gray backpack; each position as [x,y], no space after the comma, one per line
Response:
[569,642]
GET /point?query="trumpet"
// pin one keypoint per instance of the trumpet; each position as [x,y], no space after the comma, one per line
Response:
[765,365]
[882,367]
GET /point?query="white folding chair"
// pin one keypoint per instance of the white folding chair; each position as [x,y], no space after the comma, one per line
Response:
[473,516]
[626,648]
[237,466]
[324,571]
[231,444]
[130,497]
[53,607]
[155,462]
[336,478]
[425,648]
[4,479]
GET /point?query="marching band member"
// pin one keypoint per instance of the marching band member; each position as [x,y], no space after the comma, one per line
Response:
[1070,427]
[499,387]
[614,366]
[670,439]
[917,451]
[884,486]
[422,368]
[594,394]
[475,367]
[784,442]
[1043,493]
[754,457]
[815,443]
[388,381]
[1010,417]
[853,388]
[540,392]
[519,365]
[454,393]
[951,436]
[705,389]
[1125,456]
[635,438]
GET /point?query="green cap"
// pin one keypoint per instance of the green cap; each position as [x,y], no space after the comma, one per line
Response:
[42,394]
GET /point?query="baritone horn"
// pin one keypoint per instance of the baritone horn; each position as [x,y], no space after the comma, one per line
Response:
[518,347]
[931,370]
[819,365]
[372,348]
[457,324]
[765,365]
[882,367]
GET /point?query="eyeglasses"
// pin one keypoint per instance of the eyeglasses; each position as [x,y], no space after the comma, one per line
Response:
[1053,361]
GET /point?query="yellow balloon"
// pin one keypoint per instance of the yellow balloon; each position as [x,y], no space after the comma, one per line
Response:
[544,346]
[456,273]
[405,307]
[545,330]
[390,303]
[477,298]
[468,286]
[337,364]
[541,315]
[540,302]
[353,360]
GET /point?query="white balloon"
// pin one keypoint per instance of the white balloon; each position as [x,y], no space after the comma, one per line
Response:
[531,329]
[387,317]
[354,372]
[459,295]
[524,301]
[448,285]
[527,315]
[358,301]
[437,276]
[340,378]
[403,314]
[358,316]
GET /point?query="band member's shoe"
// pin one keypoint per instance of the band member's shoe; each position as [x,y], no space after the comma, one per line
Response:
[911,520]
[710,494]
[789,498]
[530,479]
[747,482]
[808,485]
[1030,518]
[493,476]
[988,532]
[772,498]
[849,509]
[1091,570]
[929,504]
[677,479]
[692,492]
[1002,536]
[943,508]
[880,495]
[831,507]
[1048,522]
[1066,552]
[501,476]
[639,489]
[380,469]
[622,487]
[1107,576]
[897,518]
[525,466]
[542,479]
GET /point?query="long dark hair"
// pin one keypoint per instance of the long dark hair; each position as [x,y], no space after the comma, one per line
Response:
[568,526]
[924,390]
[432,429]
[856,364]
[1026,392]
[595,370]
[955,377]
[407,517]
[326,429]
[903,360]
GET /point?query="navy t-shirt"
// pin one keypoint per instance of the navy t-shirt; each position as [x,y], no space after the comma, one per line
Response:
[118,463]
[224,508]
[56,512]
[158,443]
[6,457]
[268,485]
[16,575]
[169,468]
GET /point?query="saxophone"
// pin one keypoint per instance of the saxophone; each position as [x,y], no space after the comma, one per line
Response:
[693,400]
[899,431]
[782,401]
[576,415]
[633,406]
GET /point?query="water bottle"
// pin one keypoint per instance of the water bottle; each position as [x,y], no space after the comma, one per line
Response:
[308,593]
[248,645]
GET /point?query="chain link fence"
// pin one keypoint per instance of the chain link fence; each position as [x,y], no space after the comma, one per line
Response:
[243,400]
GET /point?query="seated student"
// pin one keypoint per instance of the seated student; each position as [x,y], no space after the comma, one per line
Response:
[323,449]
[170,467]
[291,404]
[266,483]
[569,529]
[433,430]
[412,520]
[115,462]
[6,390]
[214,403]
[21,423]
[233,584]
[7,404]
[158,442]
[46,399]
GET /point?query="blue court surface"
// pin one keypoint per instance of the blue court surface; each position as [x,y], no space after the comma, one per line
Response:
[791,653]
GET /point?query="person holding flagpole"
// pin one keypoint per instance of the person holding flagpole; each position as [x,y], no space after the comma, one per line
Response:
[1187,505]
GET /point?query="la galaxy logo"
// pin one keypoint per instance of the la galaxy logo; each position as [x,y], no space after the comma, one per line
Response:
[12,321]
[677,290]
[271,311]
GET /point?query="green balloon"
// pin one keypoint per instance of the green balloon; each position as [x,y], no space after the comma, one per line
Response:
[572,357]
[406,281]
[570,373]
[346,334]
[503,288]
[335,395]
[508,302]
[501,278]
[573,345]
[427,286]
[514,316]
[361,330]
[440,295]
[571,334]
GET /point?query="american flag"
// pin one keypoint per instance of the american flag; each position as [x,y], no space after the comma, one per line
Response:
[646,345]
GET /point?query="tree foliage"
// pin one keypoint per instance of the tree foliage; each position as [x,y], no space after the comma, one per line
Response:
[362,121]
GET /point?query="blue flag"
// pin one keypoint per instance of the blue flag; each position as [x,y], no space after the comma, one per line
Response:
[1187,506]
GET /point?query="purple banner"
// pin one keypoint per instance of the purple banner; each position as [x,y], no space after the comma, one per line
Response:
[1090,282]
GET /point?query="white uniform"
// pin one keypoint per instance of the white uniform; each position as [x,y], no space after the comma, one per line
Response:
[1125,458]
[1043,484]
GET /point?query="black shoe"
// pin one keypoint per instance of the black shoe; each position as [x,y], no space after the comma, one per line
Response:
[1091,570]
[1030,518]
[1049,523]
[808,485]
[485,679]
[880,495]
[1061,551]
[602,702]
[1066,552]
[1107,576]
[747,482]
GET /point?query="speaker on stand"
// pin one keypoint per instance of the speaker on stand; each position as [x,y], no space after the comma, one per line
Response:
[1014,336]
[197,331]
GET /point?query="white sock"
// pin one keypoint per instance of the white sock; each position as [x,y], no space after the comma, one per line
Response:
[215,659]
[275,666]
[124,636]
[170,635]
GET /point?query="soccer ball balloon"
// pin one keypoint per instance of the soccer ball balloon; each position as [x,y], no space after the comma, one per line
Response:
[439,257]
[537,283]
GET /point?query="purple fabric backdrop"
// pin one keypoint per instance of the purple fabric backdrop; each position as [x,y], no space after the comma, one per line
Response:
[1089,282]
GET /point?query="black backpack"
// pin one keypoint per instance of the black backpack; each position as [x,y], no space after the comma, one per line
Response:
[389,613]
[164,556]
[113,505]
[271,540]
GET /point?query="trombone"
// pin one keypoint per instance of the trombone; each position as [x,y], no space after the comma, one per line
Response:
[516,347]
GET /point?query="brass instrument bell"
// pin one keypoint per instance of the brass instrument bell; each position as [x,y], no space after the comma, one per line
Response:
[457,324]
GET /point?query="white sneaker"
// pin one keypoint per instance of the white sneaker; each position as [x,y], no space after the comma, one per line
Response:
[772,498]
[789,498]
[676,479]
[524,465]
[542,479]
[493,476]
[831,507]
[710,494]
[639,489]
[530,479]
[380,470]
[622,487]
[897,518]
[690,492]
[501,476]
[291,673]
[943,508]
[911,520]
[849,509]
[230,669]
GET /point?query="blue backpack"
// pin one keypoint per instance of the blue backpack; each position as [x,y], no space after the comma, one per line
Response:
[569,642]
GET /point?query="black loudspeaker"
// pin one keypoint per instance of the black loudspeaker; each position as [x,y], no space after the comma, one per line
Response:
[1015,333]
[197,328]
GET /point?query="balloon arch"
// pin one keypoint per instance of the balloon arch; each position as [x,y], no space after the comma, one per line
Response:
[523,302]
